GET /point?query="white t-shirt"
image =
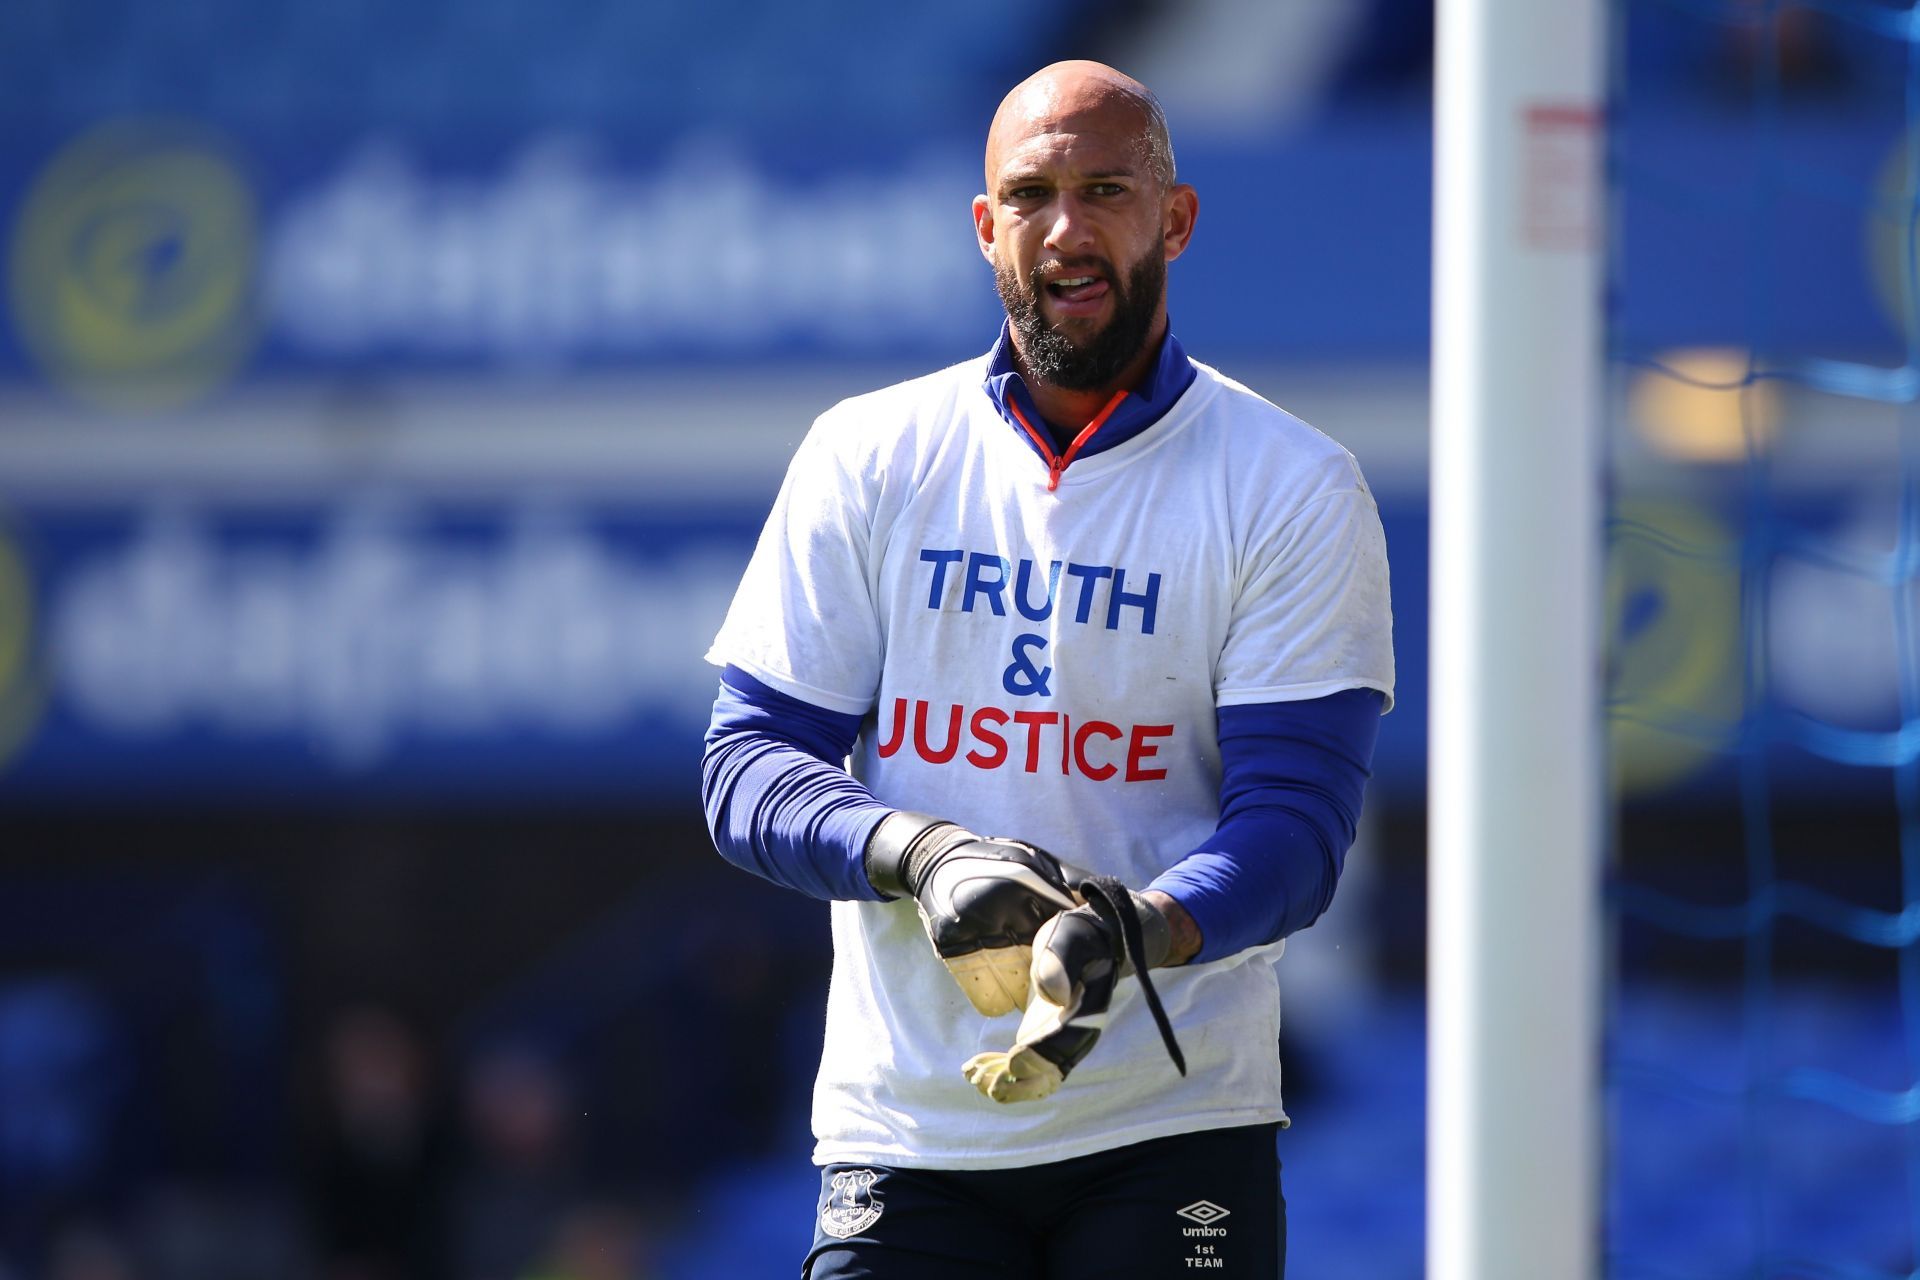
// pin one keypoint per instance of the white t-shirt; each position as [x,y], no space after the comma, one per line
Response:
[1046,665]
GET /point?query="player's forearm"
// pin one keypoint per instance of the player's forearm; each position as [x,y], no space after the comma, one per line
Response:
[1292,779]
[777,802]
[1254,881]
[781,814]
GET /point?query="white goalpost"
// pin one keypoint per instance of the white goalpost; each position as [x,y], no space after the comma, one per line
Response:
[1514,745]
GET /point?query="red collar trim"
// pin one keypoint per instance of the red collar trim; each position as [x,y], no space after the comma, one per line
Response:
[1057,463]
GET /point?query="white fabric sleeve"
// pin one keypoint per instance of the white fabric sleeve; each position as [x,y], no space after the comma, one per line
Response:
[803,619]
[1312,615]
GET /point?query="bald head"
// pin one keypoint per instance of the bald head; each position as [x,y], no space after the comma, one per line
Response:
[1079,220]
[1055,99]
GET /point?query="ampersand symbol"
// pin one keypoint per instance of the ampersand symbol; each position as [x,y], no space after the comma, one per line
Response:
[1020,678]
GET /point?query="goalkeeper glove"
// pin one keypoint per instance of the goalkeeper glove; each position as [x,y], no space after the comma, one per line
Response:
[1078,956]
[981,899]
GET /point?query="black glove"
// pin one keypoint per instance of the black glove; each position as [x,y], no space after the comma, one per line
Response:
[1078,956]
[981,899]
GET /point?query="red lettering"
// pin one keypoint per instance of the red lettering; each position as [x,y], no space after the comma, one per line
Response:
[991,745]
[892,743]
[1035,721]
[1098,772]
[996,757]
[1139,750]
[920,744]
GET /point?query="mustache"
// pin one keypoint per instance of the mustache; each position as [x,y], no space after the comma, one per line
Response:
[1085,265]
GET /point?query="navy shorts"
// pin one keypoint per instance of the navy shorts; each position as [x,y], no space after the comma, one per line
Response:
[1195,1204]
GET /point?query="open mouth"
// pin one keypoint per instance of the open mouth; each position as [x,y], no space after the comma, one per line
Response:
[1078,292]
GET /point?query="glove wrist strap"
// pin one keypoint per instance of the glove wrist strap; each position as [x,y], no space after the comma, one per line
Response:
[1125,912]
[1156,933]
[902,845]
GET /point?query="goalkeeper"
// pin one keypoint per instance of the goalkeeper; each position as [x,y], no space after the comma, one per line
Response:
[1106,637]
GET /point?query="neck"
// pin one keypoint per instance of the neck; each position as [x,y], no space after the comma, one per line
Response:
[1074,409]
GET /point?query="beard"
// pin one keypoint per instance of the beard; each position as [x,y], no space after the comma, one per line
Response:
[1060,361]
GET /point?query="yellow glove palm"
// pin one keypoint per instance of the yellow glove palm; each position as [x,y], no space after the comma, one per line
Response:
[1078,955]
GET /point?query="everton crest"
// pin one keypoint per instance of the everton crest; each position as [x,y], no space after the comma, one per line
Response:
[852,1205]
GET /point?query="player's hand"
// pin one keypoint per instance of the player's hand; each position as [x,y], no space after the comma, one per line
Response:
[1078,957]
[982,899]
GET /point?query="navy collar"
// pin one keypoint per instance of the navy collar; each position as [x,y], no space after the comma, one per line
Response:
[1167,380]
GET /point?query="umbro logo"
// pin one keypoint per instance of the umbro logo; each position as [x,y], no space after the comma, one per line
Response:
[1204,1212]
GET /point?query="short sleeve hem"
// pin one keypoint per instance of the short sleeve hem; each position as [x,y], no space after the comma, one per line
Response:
[1300,692]
[788,685]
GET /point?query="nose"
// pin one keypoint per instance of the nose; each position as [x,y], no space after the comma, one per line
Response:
[1072,229]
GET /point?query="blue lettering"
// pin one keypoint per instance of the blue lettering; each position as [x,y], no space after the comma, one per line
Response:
[978,584]
[1023,588]
[1023,677]
[1148,601]
[939,560]
[1088,575]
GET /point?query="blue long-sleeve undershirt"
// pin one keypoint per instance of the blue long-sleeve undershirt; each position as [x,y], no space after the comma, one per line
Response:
[779,800]
[780,804]
[1292,775]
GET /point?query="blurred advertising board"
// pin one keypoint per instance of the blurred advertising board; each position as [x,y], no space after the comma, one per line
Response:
[381,647]
[156,261]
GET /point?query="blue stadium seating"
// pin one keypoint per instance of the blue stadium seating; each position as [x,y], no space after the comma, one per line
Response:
[436,66]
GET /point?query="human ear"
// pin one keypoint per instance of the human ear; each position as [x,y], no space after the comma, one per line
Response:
[1182,209]
[983,225]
